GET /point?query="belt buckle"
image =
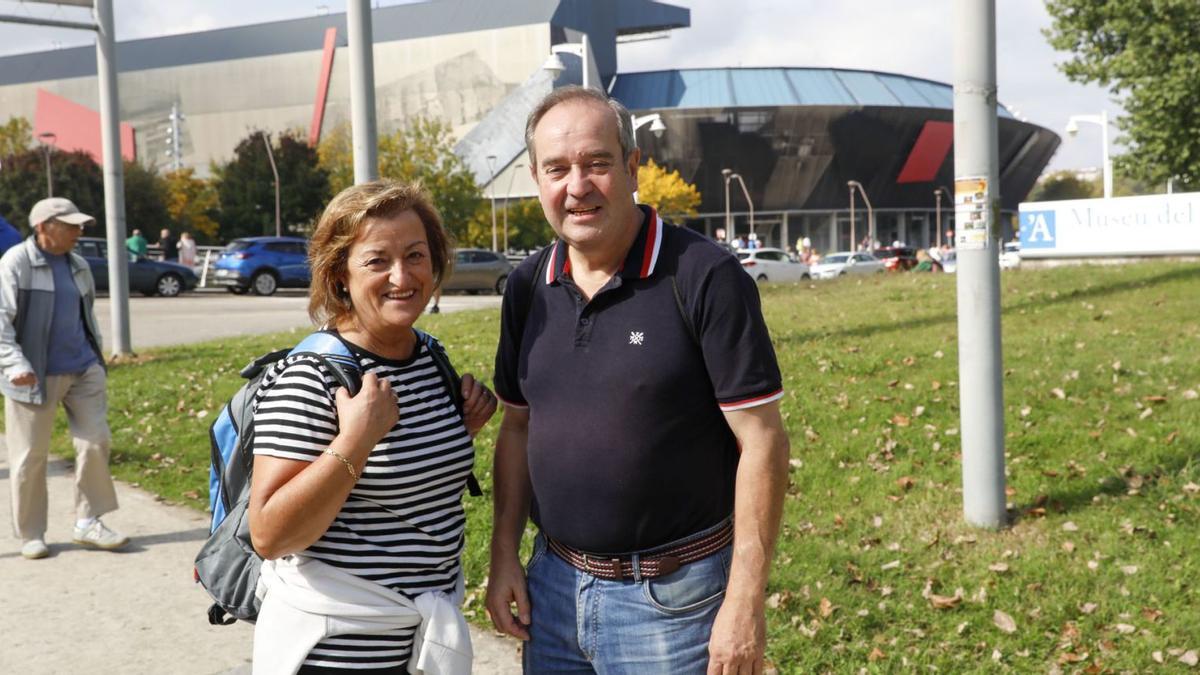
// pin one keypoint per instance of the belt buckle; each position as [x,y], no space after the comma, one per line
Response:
[599,567]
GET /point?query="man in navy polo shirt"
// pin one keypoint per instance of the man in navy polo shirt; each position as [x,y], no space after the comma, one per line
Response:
[641,428]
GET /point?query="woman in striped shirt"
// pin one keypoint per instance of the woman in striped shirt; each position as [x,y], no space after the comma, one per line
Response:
[355,502]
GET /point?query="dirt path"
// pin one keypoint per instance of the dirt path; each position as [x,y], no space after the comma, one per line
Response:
[131,612]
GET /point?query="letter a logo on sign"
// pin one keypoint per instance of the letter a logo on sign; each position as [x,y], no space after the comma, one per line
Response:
[1037,229]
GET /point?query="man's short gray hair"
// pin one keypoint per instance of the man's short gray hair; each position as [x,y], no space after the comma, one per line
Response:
[586,94]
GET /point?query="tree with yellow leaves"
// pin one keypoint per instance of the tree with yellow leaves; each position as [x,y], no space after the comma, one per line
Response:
[191,202]
[666,191]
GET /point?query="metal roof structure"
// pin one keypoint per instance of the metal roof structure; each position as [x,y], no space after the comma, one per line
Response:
[761,87]
[603,20]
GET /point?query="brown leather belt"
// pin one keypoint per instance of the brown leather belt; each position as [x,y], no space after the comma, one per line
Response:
[649,565]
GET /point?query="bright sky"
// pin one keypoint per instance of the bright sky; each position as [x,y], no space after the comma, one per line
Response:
[910,38]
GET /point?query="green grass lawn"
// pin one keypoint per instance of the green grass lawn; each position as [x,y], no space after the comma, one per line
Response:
[876,568]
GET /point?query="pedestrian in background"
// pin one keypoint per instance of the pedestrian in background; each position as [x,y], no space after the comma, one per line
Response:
[187,250]
[168,244]
[50,354]
[137,245]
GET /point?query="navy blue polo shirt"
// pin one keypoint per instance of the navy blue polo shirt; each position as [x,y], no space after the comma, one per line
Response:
[628,447]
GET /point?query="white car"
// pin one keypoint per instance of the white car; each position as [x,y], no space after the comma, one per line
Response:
[1010,255]
[772,264]
[846,262]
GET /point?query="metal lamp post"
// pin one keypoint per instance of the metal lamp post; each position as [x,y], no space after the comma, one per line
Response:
[48,139]
[1102,120]
[937,195]
[855,185]
[507,195]
[491,160]
[555,65]
[657,127]
[275,171]
[730,175]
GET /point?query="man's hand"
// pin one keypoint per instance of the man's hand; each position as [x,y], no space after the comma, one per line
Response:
[478,404]
[506,586]
[23,380]
[739,639]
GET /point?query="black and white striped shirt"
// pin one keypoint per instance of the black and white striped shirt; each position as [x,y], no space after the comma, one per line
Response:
[403,524]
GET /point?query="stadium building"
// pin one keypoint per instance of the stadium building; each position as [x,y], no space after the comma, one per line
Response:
[794,135]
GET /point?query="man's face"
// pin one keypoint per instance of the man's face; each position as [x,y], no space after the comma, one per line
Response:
[585,188]
[57,237]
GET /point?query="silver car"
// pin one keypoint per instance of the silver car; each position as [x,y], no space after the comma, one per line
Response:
[846,262]
[477,269]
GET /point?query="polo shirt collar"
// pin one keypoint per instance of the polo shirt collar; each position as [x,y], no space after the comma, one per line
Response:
[640,261]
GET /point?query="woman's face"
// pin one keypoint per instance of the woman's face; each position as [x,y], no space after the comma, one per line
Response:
[389,273]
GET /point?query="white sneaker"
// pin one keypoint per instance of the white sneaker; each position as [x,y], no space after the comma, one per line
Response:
[34,549]
[99,536]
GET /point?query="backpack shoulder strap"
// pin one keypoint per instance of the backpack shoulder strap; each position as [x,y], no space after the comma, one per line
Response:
[335,354]
[454,383]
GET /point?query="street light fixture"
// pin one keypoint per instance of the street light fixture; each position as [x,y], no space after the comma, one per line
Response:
[491,161]
[853,184]
[48,139]
[730,175]
[1102,121]
[555,65]
[275,172]
[507,195]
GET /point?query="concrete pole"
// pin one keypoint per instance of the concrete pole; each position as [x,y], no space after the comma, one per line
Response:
[1108,172]
[853,234]
[362,90]
[114,177]
[976,157]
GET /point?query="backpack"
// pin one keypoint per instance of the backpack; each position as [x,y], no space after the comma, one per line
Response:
[227,564]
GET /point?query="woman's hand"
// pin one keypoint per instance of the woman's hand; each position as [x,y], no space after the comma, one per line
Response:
[365,418]
[479,404]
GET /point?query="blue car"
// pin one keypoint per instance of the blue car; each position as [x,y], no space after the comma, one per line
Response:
[263,264]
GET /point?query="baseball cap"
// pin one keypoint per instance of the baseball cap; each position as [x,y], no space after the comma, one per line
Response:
[58,208]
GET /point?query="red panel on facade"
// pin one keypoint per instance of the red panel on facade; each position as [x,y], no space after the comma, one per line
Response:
[76,127]
[314,130]
[928,153]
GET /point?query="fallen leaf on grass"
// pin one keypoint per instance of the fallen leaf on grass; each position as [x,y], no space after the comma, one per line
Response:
[999,568]
[1069,526]
[1004,622]
[906,482]
[1071,657]
[1125,629]
[900,420]
[1191,488]
[826,608]
[1151,614]
[1088,607]
[1068,546]
[1157,656]
[1171,437]
[876,654]
[1025,410]
[946,601]
[1190,395]
[1130,570]
[1155,399]
[895,564]
[1146,413]
[192,494]
[1190,658]
[1057,392]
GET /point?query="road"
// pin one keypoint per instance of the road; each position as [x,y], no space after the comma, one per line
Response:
[213,314]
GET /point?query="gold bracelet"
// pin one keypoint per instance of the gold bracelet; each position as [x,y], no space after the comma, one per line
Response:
[349,466]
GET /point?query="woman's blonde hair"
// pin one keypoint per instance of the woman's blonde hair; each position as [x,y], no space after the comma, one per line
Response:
[341,224]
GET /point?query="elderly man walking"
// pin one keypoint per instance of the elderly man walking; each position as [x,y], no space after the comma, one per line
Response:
[50,354]
[641,428]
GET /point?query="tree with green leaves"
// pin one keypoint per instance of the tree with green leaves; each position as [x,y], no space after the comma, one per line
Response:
[1062,185]
[527,226]
[1148,53]
[75,174]
[16,135]
[246,187]
[145,199]
[422,150]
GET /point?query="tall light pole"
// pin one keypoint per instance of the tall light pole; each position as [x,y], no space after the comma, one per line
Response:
[1102,120]
[657,127]
[275,171]
[855,185]
[360,43]
[555,65]
[491,160]
[853,234]
[48,139]
[938,192]
[749,202]
[507,194]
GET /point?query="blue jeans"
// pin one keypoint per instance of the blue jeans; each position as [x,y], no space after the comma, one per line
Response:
[582,624]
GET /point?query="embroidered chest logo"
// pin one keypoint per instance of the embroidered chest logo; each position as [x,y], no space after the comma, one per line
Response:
[636,337]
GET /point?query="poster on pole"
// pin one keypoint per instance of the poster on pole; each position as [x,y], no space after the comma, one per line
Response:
[972,212]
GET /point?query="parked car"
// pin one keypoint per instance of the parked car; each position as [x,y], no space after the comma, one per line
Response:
[772,264]
[1010,255]
[476,269]
[263,264]
[897,258]
[846,262]
[146,276]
